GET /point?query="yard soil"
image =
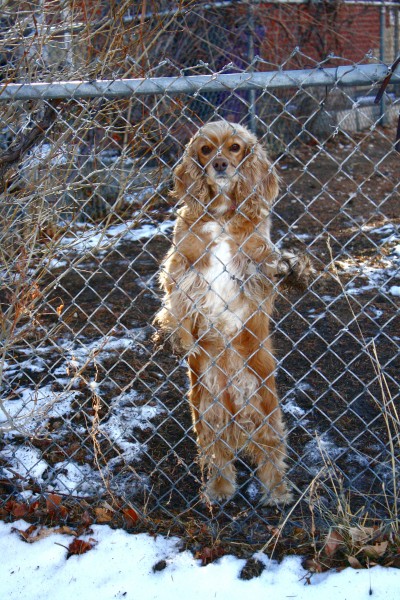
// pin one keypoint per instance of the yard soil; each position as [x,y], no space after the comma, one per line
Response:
[328,377]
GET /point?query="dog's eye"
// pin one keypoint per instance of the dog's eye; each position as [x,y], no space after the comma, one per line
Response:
[234,148]
[205,149]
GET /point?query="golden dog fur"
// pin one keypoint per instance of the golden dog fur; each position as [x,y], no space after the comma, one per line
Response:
[219,280]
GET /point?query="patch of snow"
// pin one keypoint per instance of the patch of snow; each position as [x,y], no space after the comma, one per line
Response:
[304,386]
[24,460]
[389,229]
[317,451]
[120,565]
[289,405]
[327,298]
[361,459]
[35,364]
[55,263]
[44,152]
[252,491]
[101,239]
[376,313]
[138,196]
[317,316]
[80,351]
[126,415]
[148,283]
[394,290]
[33,408]
[377,275]
[71,477]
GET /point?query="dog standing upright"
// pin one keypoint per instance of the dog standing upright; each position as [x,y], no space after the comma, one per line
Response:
[219,280]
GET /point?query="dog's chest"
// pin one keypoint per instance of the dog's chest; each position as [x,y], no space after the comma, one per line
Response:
[221,271]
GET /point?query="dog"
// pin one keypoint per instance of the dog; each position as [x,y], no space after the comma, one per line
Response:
[219,280]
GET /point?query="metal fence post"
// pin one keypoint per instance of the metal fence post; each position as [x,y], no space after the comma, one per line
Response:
[252,93]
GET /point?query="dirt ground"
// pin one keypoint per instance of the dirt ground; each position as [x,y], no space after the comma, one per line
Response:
[328,375]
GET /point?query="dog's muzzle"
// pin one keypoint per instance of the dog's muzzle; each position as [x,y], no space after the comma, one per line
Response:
[220,165]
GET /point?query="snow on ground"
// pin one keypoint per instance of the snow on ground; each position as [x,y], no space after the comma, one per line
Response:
[385,272]
[121,565]
[101,239]
[35,407]
[127,412]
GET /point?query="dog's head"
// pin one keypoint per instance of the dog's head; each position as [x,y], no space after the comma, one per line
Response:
[225,170]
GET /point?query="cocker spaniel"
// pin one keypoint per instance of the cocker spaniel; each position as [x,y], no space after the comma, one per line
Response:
[219,279]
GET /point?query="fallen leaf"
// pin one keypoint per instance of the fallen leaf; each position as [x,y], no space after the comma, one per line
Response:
[299,533]
[375,551]
[360,535]
[54,506]
[208,555]
[131,516]
[43,533]
[333,542]
[159,566]
[253,568]
[53,501]
[25,534]
[65,530]
[35,534]
[18,509]
[78,547]
[354,562]
[63,511]
[34,506]
[86,519]
[313,565]
[103,515]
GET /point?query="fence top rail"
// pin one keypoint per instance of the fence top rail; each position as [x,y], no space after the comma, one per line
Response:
[348,75]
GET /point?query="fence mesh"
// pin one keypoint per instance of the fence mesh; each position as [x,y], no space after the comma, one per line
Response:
[93,414]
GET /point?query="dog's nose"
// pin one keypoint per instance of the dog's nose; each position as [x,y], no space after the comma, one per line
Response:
[220,164]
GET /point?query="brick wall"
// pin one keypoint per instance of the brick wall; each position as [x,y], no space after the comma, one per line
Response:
[320,29]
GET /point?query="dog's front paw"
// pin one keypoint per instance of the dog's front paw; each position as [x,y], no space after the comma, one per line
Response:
[295,270]
[168,341]
[280,495]
[219,489]
[158,338]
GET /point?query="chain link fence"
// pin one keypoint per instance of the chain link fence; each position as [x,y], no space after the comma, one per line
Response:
[93,414]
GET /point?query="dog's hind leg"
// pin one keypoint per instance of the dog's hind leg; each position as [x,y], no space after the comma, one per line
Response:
[212,415]
[268,450]
[211,422]
[217,459]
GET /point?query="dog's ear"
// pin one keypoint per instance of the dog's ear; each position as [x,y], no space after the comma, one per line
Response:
[259,176]
[189,183]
